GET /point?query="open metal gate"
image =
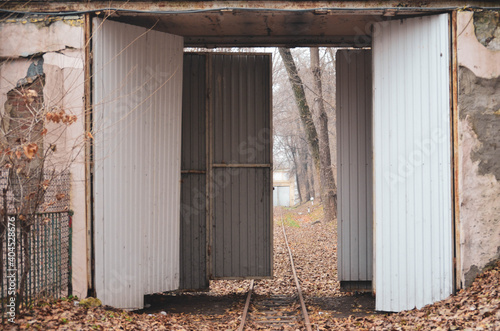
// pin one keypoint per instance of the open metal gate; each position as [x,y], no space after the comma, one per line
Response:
[194,174]
[412,162]
[137,80]
[231,94]
[355,169]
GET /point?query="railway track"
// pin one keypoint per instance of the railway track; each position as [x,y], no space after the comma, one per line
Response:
[276,311]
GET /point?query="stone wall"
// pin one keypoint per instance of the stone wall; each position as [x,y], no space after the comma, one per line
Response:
[479,140]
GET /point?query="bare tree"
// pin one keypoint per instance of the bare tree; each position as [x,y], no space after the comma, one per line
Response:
[290,143]
[306,117]
[329,187]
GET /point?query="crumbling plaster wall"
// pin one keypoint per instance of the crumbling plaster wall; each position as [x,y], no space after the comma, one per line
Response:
[479,140]
[59,44]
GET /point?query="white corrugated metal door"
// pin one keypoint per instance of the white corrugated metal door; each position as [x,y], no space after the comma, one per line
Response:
[412,171]
[137,75]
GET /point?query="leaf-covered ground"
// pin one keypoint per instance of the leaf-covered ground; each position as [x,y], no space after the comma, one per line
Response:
[314,248]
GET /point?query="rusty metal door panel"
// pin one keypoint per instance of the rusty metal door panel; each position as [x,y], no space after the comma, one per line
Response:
[240,163]
[193,259]
[226,152]
[242,224]
[355,183]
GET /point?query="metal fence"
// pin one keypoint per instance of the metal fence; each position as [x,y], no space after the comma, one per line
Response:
[56,195]
[48,247]
[49,251]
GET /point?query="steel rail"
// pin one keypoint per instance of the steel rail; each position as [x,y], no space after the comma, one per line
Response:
[247,305]
[305,314]
[299,291]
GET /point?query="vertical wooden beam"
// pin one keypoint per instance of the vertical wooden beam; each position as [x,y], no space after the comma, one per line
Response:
[89,166]
[455,151]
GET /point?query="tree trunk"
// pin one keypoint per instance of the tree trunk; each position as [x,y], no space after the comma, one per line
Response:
[305,174]
[329,189]
[298,180]
[304,111]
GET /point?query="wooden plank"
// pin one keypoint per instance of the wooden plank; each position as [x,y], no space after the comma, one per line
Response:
[241,165]
[455,150]
[89,154]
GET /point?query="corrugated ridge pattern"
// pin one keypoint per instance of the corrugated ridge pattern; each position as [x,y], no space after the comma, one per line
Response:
[355,184]
[193,186]
[412,163]
[137,85]
[242,234]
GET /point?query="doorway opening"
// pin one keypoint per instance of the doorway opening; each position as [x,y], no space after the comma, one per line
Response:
[299,210]
[219,79]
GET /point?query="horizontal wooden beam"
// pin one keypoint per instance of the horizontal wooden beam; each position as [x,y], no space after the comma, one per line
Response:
[320,7]
[241,165]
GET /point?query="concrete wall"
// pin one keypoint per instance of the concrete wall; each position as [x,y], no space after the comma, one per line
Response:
[479,140]
[59,44]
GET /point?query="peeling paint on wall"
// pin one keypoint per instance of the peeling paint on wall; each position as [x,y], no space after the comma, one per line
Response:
[24,39]
[479,102]
[487,28]
[479,147]
[479,209]
[34,70]
[472,54]
[47,20]
[17,114]
[479,141]
[53,48]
